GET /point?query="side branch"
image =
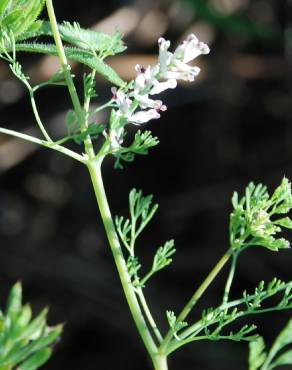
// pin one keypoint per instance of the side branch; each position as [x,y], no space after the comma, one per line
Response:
[197,295]
[44,143]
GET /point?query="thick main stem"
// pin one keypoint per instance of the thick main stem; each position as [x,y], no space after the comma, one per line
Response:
[68,78]
[160,363]
[94,167]
[96,178]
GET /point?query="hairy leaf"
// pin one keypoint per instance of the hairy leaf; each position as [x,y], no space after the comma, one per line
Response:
[77,55]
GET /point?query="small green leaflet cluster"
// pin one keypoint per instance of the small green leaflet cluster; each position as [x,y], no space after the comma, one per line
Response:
[24,342]
[174,324]
[20,16]
[74,130]
[257,217]
[141,144]
[214,320]
[260,359]
[129,229]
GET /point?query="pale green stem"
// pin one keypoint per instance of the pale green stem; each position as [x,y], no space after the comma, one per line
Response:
[196,296]
[270,357]
[199,327]
[230,278]
[160,362]
[87,98]
[33,104]
[109,104]
[96,178]
[95,174]
[35,111]
[46,144]
[37,116]
[147,277]
[149,315]
[68,77]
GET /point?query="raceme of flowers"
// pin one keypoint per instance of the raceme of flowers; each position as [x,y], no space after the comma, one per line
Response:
[153,80]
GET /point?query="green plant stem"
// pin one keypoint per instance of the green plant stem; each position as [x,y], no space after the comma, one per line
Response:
[37,116]
[88,98]
[160,363]
[174,345]
[149,315]
[54,146]
[94,168]
[197,295]
[230,278]
[109,104]
[68,78]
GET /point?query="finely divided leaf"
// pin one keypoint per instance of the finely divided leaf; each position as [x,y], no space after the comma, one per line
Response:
[285,222]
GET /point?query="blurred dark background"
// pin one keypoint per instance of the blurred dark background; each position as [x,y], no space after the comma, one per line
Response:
[230,127]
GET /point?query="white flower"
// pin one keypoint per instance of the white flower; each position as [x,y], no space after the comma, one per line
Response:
[182,71]
[145,78]
[159,87]
[170,67]
[190,49]
[164,54]
[115,137]
[145,102]
[123,101]
[174,65]
[144,116]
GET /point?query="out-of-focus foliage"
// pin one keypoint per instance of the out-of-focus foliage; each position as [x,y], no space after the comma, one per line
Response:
[24,342]
[236,23]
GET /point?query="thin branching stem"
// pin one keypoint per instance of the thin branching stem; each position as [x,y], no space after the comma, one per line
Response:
[230,278]
[97,182]
[37,117]
[94,164]
[197,295]
[149,315]
[46,144]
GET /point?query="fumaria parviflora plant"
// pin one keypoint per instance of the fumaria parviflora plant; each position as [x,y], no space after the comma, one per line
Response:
[257,218]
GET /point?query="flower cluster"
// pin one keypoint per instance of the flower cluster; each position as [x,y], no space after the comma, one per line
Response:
[136,105]
[261,224]
[255,219]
